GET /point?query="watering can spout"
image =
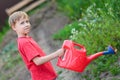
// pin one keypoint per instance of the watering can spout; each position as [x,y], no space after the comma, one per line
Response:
[94,56]
[110,50]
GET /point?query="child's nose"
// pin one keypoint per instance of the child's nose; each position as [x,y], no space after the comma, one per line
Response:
[26,24]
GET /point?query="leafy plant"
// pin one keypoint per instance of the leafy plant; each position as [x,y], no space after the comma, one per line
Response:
[9,59]
[73,9]
[66,31]
[98,28]
[4,31]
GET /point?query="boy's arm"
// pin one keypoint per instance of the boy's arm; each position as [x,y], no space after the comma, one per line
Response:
[41,60]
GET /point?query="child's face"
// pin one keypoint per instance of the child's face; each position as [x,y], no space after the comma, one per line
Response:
[22,27]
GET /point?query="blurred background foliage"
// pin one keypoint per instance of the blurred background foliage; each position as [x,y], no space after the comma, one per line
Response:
[94,24]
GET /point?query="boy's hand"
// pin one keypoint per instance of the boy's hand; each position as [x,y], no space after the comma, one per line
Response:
[61,52]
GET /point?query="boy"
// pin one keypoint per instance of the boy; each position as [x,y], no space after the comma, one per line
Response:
[36,61]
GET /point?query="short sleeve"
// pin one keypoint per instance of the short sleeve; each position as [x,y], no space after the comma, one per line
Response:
[30,51]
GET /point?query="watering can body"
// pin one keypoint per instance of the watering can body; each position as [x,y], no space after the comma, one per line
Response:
[75,58]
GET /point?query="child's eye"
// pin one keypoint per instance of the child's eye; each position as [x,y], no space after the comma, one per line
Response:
[22,22]
[27,21]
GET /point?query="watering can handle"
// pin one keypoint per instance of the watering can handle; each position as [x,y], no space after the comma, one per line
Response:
[81,46]
[66,44]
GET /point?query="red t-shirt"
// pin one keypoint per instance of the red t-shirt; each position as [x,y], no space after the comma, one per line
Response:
[29,49]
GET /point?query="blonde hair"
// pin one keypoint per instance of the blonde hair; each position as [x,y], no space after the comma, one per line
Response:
[16,17]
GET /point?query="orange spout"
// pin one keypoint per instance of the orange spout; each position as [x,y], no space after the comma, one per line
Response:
[93,57]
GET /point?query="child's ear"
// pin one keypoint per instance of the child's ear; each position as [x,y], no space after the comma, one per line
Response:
[13,27]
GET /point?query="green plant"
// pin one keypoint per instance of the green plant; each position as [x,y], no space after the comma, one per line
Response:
[4,31]
[9,58]
[73,9]
[98,28]
[66,31]
[96,33]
